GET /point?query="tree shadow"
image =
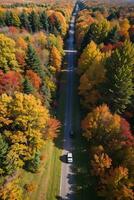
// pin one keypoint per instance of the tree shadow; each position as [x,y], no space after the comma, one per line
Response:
[59,197]
[63,158]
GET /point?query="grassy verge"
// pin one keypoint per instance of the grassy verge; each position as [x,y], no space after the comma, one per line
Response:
[55,170]
[39,179]
[47,180]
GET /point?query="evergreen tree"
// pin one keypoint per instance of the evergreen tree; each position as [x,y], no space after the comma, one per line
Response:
[32,59]
[118,87]
[2,19]
[44,21]
[27,86]
[25,21]
[3,152]
[33,62]
[97,32]
[34,21]
[33,165]
[3,148]
[113,15]
[113,36]
[8,18]
[47,93]
[58,26]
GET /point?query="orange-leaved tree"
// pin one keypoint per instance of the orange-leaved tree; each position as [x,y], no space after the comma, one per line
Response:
[55,58]
[100,124]
[53,128]
[34,78]
[116,184]
[10,82]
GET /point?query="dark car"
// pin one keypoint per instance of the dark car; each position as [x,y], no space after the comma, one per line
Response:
[71,133]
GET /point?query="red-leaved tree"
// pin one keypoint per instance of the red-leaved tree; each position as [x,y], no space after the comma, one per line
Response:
[10,82]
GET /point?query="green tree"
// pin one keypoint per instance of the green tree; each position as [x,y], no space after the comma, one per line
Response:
[12,19]
[8,18]
[34,21]
[2,19]
[113,36]
[32,59]
[44,21]
[97,32]
[3,152]
[118,87]
[27,86]
[33,165]
[25,21]
[33,62]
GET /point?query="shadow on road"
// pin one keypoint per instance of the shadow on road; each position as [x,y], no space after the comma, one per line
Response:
[60,141]
[68,197]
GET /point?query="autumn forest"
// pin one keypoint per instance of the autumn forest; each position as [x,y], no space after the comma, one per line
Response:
[66,100]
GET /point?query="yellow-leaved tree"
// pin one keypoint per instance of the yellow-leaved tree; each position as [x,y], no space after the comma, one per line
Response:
[100,124]
[89,81]
[11,190]
[23,123]
[7,54]
[124,27]
[62,21]
[90,55]
[55,58]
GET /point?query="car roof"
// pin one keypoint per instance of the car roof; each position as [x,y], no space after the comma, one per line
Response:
[69,154]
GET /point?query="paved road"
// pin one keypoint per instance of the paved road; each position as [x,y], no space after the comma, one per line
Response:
[67,175]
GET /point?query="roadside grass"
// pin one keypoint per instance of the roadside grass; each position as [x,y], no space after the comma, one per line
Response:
[47,180]
[55,171]
[83,187]
[40,177]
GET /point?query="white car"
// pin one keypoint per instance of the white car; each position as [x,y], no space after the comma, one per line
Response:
[69,157]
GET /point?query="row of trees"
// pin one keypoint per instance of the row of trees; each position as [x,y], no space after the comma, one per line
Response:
[53,22]
[111,153]
[105,67]
[111,55]
[97,25]
[108,77]
[30,61]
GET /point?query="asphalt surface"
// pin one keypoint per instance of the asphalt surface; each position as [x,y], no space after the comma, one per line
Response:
[67,175]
